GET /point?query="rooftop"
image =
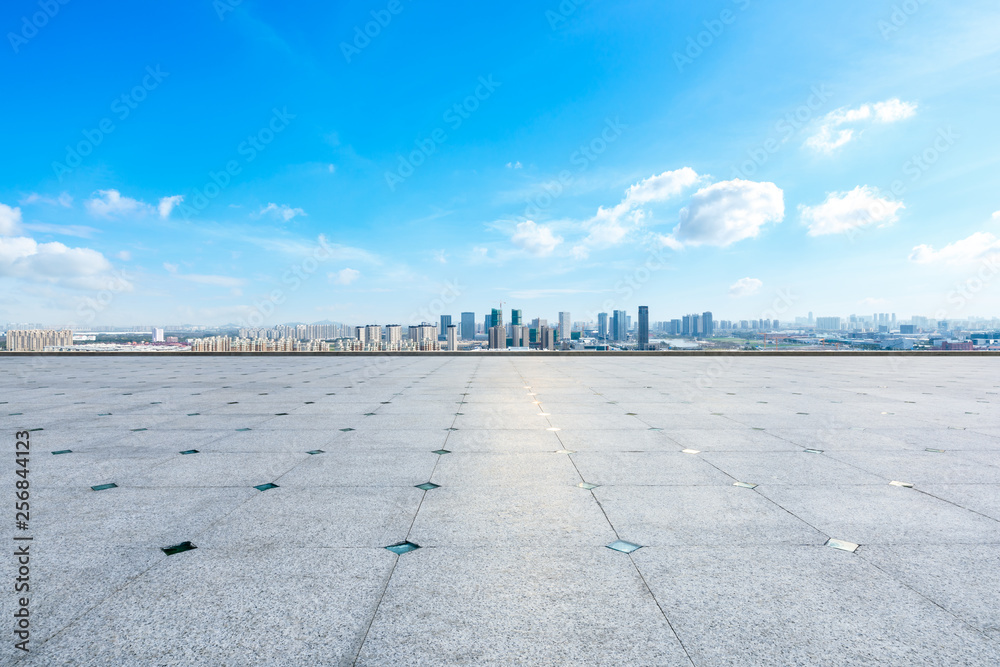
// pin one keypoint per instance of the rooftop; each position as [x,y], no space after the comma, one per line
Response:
[238,510]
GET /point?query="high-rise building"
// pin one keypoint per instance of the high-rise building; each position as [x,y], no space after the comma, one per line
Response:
[468,326]
[602,326]
[498,338]
[707,324]
[496,317]
[520,336]
[565,326]
[157,335]
[643,327]
[546,338]
[394,337]
[452,337]
[619,325]
[516,317]
[828,323]
[445,323]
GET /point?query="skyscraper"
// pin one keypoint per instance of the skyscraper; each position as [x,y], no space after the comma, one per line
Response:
[468,326]
[516,317]
[498,338]
[565,326]
[452,334]
[707,325]
[619,325]
[643,327]
[445,323]
[602,326]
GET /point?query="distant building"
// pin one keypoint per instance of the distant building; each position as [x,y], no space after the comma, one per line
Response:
[520,336]
[546,338]
[394,337]
[828,323]
[498,338]
[907,329]
[602,326]
[468,326]
[452,337]
[565,326]
[707,324]
[496,317]
[619,325]
[516,317]
[36,340]
[445,323]
[157,335]
[956,345]
[643,327]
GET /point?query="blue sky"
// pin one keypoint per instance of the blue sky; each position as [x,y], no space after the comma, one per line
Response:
[254,162]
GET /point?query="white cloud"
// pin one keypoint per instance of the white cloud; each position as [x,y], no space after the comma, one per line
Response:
[63,200]
[124,255]
[55,263]
[611,226]
[344,276]
[10,220]
[283,211]
[979,247]
[536,239]
[727,212]
[109,203]
[996,216]
[218,281]
[167,204]
[844,211]
[840,127]
[661,187]
[513,165]
[745,287]
[441,256]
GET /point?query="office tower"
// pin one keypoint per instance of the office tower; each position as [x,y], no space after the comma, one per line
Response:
[498,338]
[628,323]
[811,320]
[445,323]
[394,337]
[565,326]
[452,334]
[546,338]
[602,326]
[538,323]
[496,317]
[487,323]
[643,327]
[157,335]
[619,325]
[828,323]
[468,326]
[520,336]
[707,325]
[516,317]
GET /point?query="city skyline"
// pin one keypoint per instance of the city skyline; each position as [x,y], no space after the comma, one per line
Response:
[723,153]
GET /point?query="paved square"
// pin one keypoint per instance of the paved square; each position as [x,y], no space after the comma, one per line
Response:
[531,467]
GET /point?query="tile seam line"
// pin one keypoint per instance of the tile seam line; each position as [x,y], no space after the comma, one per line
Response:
[392,571]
